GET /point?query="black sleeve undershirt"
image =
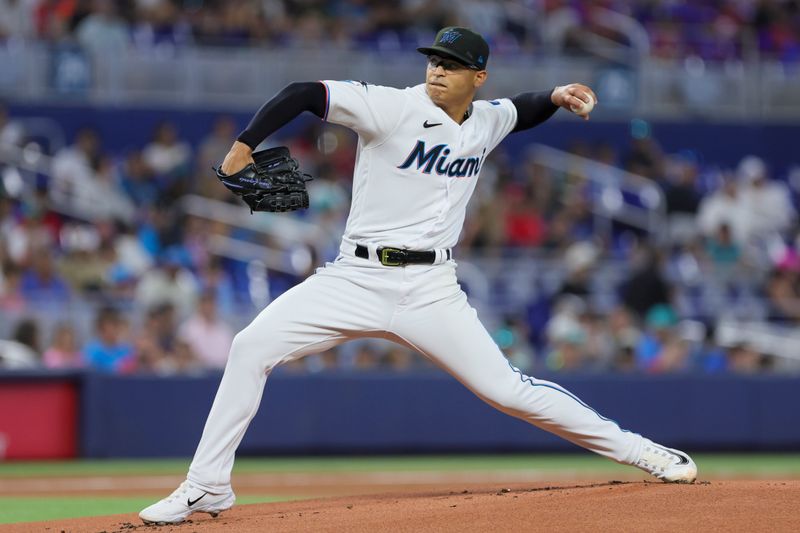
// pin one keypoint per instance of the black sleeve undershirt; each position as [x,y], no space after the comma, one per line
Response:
[532,109]
[283,107]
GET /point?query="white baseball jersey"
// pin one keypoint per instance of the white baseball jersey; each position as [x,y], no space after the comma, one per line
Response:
[415,172]
[416,168]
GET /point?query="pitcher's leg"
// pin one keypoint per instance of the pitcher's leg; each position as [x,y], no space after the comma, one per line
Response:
[309,318]
[449,332]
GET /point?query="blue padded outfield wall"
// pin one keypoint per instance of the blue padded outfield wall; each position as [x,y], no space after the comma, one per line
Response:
[149,417]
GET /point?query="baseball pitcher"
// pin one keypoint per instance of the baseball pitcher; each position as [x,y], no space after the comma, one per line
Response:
[420,152]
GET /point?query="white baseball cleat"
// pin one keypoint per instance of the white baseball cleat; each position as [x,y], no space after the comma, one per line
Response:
[671,466]
[186,499]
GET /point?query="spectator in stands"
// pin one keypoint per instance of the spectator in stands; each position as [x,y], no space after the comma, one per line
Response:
[744,358]
[103,30]
[398,359]
[646,158]
[171,282]
[21,351]
[212,150]
[765,208]
[722,250]
[160,27]
[109,194]
[153,225]
[195,239]
[721,207]
[366,357]
[660,349]
[12,300]
[41,283]
[624,336]
[208,336]
[511,337]
[579,262]
[183,360]
[559,233]
[7,220]
[169,157]
[680,191]
[74,163]
[149,355]
[152,356]
[213,277]
[52,18]
[162,324]
[16,20]
[85,270]
[110,350]
[783,291]
[524,225]
[132,259]
[138,180]
[646,285]
[64,351]
[26,232]
[27,333]
[566,339]
[74,183]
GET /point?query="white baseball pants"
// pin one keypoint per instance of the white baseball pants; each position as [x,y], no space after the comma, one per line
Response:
[420,306]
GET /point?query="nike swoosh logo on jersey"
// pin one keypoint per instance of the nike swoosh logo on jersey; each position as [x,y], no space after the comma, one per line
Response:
[189,502]
[427,125]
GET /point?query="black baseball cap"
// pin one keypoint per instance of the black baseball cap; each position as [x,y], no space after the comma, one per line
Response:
[461,44]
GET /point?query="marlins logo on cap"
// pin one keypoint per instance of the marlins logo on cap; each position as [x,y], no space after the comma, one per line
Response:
[449,37]
[461,44]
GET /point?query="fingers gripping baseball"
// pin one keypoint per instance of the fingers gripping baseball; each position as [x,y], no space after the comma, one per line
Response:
[576,98]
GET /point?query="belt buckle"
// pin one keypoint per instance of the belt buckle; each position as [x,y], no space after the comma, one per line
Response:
[387,261]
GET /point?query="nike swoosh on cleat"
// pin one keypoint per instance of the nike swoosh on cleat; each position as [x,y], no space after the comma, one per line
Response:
[683,459]
[189,502]
[427,125]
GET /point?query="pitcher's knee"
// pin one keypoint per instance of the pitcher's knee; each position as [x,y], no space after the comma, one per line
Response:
[250,348]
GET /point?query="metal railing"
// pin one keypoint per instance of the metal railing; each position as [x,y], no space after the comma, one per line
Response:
[201,77]
[613,190]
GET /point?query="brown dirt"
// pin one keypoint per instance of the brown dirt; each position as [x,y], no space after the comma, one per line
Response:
[729,506]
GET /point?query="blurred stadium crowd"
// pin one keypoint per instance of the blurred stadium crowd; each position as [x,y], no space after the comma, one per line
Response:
[714,30]
[138,289]
[101,270]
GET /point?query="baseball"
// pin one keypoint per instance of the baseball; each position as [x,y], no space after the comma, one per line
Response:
[585,108]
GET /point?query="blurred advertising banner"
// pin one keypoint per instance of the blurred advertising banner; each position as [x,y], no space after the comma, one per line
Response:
[38,419]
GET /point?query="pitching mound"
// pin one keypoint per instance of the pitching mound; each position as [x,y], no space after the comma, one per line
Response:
[727,506]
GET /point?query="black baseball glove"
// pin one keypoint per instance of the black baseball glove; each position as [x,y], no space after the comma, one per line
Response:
[273,183]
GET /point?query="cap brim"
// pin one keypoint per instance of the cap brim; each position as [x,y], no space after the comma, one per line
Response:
[444,52]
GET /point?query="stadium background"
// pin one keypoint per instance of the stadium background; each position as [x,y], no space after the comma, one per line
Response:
[648,259]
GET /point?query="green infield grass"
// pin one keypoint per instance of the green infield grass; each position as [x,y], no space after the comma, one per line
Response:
[34,509]
[28,508]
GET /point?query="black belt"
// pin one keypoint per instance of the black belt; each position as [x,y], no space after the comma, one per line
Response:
[399,257]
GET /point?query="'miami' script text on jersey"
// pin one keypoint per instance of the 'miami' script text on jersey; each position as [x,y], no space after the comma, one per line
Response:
[416,168]
[436,159]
